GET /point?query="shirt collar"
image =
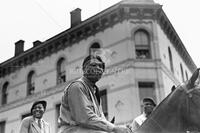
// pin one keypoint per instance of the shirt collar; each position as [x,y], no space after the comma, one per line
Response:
[88,82]
[36,120]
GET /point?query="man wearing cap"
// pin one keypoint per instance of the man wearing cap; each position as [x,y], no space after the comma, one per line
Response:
[35,123]
[80,110]
[148,107]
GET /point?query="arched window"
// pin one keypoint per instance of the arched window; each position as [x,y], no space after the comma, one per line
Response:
[94,48]
[170,60]
[182,74]
[31,83]
[61,76]
[4,93]
[142,44]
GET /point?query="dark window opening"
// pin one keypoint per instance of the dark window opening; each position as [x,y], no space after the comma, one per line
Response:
[2,126]
[31,83]
[104,102]
[146,89]
[61,75]
[170,60]
[4,93]
[94,49]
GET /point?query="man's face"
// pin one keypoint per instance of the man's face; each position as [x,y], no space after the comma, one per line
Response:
[93,71]
[38,111]
[148,107]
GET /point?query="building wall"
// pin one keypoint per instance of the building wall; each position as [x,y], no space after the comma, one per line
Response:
[120,79]
[164,43]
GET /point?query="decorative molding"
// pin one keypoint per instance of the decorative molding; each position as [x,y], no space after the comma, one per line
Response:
[90,27]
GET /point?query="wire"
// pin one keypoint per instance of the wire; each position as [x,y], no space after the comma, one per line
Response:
[48,14]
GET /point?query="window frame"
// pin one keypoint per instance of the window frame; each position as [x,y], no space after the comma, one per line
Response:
[31,83]
[61,75]
[4,93]
[142,48]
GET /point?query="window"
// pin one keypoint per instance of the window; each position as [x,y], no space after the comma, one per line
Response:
[94,48]
[182,74]
[61,77]
[57,114]
[104,102]
[186,75]
[4,93]
[146,89]
[170,60]
[142,44]
[2,126]
[25,115]
[31,83]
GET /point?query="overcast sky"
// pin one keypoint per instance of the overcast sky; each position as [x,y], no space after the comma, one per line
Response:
[32,20]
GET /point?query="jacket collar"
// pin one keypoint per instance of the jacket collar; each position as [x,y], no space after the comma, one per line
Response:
[35,125]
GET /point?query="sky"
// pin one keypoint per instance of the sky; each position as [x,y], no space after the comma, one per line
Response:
[32,20]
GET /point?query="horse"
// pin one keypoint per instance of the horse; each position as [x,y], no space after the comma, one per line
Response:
[179,112]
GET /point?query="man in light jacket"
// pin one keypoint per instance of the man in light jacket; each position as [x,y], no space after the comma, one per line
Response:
[35,123]
[148,107]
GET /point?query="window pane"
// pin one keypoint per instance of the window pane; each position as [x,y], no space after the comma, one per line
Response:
[141,38]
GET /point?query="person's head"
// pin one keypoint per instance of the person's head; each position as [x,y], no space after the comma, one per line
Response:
[93,67]
[148,105]
[38,108]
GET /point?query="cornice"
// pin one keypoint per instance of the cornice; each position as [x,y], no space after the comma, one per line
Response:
[99,22]
[175,39]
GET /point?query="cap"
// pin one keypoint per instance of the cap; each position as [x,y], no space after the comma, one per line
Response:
[44,103]
[149,99]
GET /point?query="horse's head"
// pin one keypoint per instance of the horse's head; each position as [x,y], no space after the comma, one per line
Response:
[191,106]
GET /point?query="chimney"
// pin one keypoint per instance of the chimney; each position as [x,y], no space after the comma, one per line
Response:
[36,43]
[19,47]
[75,17]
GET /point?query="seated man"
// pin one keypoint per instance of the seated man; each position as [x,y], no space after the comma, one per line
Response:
[148,107]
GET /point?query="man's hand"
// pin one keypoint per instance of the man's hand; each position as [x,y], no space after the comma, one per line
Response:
[121,129]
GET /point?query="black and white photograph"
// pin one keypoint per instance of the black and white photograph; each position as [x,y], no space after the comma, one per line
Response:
[99,66]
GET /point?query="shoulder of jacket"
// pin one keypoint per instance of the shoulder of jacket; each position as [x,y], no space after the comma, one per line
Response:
[27,120]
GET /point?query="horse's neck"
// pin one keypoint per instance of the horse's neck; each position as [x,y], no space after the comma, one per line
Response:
[164,119]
